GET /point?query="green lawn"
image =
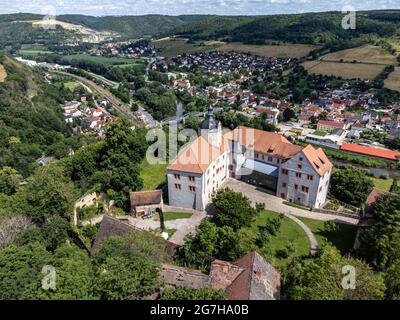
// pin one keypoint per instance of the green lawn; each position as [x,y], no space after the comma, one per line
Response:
[289,232]
[154,176]
[343,238]
[383,184]
[168,216]
[320,133]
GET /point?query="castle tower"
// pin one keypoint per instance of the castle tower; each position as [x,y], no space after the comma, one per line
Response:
[211,129]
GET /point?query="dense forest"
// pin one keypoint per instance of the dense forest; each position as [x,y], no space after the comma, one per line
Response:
[299,28]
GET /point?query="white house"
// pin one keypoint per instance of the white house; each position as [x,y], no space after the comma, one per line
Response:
[265,159]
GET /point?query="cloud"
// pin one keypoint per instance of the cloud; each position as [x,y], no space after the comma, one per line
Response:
[177,7]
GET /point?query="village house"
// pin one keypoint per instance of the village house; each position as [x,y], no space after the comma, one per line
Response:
[265,159]
[146,204]
[329,126]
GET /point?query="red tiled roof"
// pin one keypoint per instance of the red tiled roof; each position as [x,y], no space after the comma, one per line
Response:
[332,123]
[369,151]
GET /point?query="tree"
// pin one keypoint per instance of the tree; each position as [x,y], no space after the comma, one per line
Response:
[20,267]
[379,243]
[122,278]
[74,277]
[10,181]
[182,293]
[209,243]
[128,268]
[49,192]
[233,209]
[288,114]
[321,277]
[395,185]
[351,185]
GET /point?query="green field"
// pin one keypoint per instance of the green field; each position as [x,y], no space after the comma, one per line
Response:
[382,184]
[171,47]
[320,133]
[289,232]
[34,53]
[154,176]
[100,59]
[343,238]
[169,216]
[71,85]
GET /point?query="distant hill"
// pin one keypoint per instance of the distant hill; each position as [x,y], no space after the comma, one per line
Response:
[312,28]
[31,120]
[133,26]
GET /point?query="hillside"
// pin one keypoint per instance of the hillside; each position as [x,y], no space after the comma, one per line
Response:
[131,26]
[31,121]
[311,28]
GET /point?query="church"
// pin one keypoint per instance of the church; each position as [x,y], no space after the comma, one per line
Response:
[265,159]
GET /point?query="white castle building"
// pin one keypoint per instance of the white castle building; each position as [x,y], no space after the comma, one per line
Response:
[265,159]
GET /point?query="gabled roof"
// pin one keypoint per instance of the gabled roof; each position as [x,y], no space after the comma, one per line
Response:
[369,151]
[145,198]
[318,159]
[264,142]
[113,227]
[196,157]
[332,123]
[259,280]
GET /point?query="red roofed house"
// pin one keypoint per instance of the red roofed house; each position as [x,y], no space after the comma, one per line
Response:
[329,126]
[371,152]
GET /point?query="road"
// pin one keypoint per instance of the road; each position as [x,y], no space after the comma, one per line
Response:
[118,105]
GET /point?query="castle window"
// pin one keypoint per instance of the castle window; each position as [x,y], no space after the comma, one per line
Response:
[299,166]
[296,187]
[305,189]
[192,189]
[310,177]
[270,159]
[178,186]
[177,176]
[284,185]
[192,179]
[285,171]
[298,175]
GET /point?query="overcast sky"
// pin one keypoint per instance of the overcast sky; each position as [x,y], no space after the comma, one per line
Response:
[177,7]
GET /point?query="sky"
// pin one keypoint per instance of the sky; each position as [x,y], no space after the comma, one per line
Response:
[177,7]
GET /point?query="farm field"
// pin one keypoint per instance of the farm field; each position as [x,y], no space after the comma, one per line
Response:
[3,73]
[281,51]
[33,53]
[171,47]
[344,70]
[393,81]
[364,54]
[100,59]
